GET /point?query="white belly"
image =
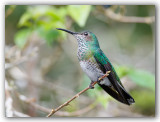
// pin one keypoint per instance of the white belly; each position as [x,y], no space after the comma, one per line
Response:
[93,72]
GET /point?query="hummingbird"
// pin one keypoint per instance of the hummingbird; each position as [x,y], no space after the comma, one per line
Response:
[95,64]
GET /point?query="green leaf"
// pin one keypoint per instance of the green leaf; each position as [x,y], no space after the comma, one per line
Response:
[49,35]
[47,14]
[121,70]
[24,20]
[21,37]
[79,13]
[142,78]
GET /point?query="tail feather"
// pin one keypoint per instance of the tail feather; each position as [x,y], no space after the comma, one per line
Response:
[126,98]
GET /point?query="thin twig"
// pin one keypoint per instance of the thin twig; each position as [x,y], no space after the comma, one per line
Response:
[128,19]
[66,103]
[59,113]
[78,112]
[18,60]
[77,95]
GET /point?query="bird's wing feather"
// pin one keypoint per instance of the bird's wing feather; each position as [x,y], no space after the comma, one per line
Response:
[105,65]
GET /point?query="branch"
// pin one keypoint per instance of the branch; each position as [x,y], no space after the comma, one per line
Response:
[76,113]
[128,19]
[77,95]
[59,113]
[18,58]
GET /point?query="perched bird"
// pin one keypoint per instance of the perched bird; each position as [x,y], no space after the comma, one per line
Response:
[95,64]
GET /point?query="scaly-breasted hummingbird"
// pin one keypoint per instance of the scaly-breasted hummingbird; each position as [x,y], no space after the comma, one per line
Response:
[95,64]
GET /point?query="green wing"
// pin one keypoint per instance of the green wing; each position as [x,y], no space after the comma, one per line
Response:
[117,91]
[105,65]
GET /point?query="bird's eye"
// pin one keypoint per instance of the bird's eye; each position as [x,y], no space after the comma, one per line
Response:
[86,34]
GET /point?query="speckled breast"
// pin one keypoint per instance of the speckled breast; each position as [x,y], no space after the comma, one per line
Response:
[91,69]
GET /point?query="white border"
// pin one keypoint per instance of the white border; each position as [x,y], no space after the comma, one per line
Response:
[96,2]
[93,2]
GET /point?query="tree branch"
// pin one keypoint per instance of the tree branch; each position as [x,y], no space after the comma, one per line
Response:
[59,113]
[77,95]
[128,19]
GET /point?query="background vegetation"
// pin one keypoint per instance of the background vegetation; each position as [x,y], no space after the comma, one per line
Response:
[42,70]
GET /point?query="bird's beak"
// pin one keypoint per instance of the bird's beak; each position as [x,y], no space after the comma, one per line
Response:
[67,31]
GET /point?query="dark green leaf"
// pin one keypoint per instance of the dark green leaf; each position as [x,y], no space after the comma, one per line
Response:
[49,35]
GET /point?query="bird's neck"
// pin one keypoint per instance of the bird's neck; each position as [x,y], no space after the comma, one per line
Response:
[85,52]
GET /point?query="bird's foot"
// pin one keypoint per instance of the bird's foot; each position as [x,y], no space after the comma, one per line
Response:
[91,85]
[105,75]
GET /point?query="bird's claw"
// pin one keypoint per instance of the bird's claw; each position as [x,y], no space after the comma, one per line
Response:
[91,86]
[108,72]
[105,75]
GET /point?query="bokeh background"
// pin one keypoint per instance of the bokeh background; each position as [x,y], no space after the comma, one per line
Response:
[42,70]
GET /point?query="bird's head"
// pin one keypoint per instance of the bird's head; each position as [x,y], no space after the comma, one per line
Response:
[85,37]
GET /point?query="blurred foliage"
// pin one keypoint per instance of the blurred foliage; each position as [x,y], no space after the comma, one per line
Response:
[21,37]
[80,15]
[45,19]
[126,45]
[143,78]
[140,77]
[145,101]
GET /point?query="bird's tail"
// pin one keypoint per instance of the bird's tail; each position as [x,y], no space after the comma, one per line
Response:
[124,97]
